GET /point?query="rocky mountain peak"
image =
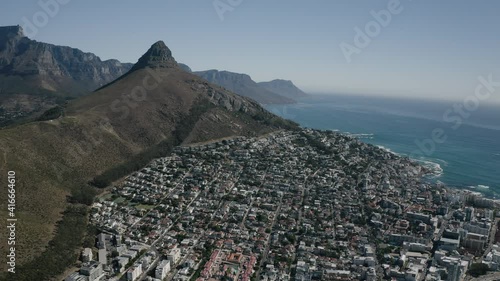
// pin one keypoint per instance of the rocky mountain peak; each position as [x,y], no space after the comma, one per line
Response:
[158,55]
[282,81]
[11,32]
[284,88]
[10,36]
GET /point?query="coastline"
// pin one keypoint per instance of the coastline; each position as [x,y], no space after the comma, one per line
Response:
[435,171]
[468,159]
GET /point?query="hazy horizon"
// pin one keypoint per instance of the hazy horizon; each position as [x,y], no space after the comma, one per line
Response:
[425,50]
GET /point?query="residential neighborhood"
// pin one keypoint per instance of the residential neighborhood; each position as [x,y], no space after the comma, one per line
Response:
[291,205]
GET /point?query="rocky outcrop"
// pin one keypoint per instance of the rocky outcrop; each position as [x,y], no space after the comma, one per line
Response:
[284,88]
[185,67]
[158,56]
[55,67]
[242,84]
[42,75]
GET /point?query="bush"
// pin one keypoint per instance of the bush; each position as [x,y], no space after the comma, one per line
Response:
[51,114]
[83,195]
[478,269]
[61,252]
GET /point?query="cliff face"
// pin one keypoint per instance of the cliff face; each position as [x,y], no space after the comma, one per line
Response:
[21,56]
[44,74]
[243,85]
[284,88]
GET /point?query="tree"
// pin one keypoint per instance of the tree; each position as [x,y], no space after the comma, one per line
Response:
[478,269]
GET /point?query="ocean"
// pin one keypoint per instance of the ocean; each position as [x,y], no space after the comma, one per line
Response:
[463,147]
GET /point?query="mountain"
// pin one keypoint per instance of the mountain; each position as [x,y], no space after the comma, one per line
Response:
[100,138]
[243,84]
[185,67]
[284,88]
[35,76]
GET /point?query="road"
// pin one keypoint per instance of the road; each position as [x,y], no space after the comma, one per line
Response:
[165,231]
[266,251]
[230,189]
[172,274]
[302,200]
[268,242]
[263,178]
[168,193]
[492,238]
[151,267]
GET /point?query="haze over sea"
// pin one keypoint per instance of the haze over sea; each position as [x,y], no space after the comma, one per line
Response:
[469,158]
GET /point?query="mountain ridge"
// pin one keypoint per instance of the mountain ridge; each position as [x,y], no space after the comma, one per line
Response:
[243,85]
[35,76]
[101,137]
[158,55]
[284,88]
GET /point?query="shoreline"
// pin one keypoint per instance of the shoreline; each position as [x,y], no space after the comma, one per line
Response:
[465,161]
[436,171]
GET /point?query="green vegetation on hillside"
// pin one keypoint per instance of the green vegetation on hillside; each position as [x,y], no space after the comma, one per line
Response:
[51,114]
[182,130]
[269,119]
[83,194]
[61,252]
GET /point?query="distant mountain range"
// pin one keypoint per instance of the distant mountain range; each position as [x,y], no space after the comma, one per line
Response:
[35,76]
[273,92]
[243,84]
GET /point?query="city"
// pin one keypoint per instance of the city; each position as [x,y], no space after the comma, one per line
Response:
[290,205]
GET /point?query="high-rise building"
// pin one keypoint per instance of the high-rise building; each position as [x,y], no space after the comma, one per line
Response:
[454,271]
[174,256]
[134,272]
[469,213]
[162,269]
[93,270]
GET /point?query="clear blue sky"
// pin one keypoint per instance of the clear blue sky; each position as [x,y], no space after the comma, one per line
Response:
[431,49]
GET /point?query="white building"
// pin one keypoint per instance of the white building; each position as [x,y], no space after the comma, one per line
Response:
[87,255]
[174,256]
[76,277]
[163,269]
[93,270]
[102,256]
[134,272]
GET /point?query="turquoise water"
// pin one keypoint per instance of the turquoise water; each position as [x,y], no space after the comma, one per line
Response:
[468,158]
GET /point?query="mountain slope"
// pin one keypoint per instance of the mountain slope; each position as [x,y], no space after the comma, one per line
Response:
[139,116]
[284,88]
[185,67]
[243,84]
[41,75]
